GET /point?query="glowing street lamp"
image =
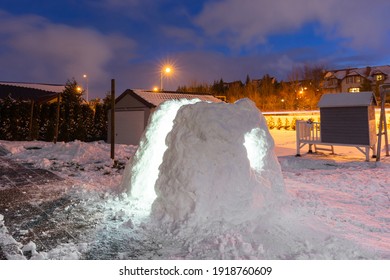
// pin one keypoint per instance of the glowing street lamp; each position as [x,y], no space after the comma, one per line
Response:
[166,70]
[86,77]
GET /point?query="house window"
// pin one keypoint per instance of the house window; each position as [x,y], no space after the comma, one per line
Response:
[354,89]
[379,77]
[353,79]
[350,80]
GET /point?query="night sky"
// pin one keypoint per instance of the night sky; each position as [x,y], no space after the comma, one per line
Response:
[48,41]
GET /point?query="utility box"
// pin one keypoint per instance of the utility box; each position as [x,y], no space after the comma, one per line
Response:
[348,118]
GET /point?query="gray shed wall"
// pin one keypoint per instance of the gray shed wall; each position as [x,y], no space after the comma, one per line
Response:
[128,129]
[348,125]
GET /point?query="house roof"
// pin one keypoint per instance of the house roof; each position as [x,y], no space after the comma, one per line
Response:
[152,99]
[347,100]
[30,91]
[367,72]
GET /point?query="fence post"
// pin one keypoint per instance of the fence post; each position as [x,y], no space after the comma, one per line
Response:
[382,123]
[297,131]
[57,118]
[30,133]
[113,118]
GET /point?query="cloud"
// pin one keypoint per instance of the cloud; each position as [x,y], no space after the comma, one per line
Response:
[246,23]
[133,9]
[35,49]
[183,35]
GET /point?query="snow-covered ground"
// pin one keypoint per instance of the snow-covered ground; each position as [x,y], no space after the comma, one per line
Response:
[337,207]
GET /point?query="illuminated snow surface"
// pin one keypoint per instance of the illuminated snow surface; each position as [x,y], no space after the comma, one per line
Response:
[220,195]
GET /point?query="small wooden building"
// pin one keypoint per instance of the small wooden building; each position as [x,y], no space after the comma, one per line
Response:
[348,118]
[31,92]
[134,107]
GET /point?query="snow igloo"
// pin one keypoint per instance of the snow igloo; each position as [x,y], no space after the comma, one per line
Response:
[201,162]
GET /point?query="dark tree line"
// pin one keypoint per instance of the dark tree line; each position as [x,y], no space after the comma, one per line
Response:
[78,120]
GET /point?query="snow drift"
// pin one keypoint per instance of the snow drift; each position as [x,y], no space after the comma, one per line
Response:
[217,164]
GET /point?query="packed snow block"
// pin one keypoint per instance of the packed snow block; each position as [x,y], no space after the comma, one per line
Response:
[218,165]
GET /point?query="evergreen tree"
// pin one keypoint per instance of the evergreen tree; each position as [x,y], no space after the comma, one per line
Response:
[287,124]
[279,124]
[100,123]
[5,118]
[248,80]
[47,119]
[72,126]
[218,88]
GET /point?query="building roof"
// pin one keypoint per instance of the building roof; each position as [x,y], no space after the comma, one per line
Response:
[30,91]
[360,99]
[152,99]
[367,72]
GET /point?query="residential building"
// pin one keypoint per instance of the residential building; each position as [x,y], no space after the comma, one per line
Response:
[356,79]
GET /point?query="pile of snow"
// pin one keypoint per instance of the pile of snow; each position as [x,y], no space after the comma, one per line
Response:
[43,154]
[217,164]
[88,162]
[9,245]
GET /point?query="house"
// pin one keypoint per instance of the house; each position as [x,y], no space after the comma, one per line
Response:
[133,108]
[39,93]
[356,79]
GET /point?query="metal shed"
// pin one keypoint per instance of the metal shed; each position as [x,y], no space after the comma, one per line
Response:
[133,108]
[348,118]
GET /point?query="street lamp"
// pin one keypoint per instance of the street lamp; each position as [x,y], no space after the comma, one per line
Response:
[166,70]
[86,91]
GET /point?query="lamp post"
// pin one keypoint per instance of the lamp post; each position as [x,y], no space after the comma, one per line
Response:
[86,90]
[165,70]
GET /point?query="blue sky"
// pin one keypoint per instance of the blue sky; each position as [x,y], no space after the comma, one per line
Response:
[206,40]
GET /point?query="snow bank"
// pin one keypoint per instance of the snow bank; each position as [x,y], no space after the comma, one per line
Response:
[86,162]
[218,164]
[10,247]
[42,153]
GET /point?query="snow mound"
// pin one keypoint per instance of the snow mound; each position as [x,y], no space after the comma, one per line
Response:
[217,165]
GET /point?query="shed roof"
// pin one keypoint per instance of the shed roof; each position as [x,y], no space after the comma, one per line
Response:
[152,99]
[347,99]
[30,91]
